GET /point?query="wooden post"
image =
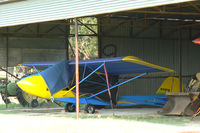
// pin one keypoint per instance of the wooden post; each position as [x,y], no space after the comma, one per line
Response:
[6,96]
[77,69]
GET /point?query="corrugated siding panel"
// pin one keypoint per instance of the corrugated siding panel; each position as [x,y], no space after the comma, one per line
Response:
[32,11]
[31,49]
[157,51]
[21,55]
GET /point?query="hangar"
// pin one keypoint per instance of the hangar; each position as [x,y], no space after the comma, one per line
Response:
[160,32]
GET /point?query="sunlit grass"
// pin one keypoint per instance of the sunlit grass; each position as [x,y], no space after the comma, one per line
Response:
[157,119]
[10,106]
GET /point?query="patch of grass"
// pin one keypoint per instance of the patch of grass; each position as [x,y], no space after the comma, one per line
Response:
[157,119]
[169,120]
[10,106]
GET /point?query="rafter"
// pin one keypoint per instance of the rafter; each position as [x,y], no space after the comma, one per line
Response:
[195,6]
[52,28]
[145,28]
[166,12]
[114,27]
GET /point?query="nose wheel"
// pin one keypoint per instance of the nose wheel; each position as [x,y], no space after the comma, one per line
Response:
[90,109]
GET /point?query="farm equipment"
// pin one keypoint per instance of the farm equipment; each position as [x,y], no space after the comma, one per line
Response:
[13,90]
[184,103]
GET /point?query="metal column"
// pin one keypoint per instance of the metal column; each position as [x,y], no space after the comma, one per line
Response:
[67,39]
[99,35]
[180,57]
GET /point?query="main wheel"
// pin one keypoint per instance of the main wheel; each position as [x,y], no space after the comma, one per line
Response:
[90,108]
[34,103]
[70,107]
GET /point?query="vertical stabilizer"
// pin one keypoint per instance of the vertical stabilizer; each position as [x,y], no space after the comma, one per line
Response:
[170,84]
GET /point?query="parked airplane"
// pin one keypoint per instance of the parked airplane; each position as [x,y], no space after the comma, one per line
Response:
[100,80]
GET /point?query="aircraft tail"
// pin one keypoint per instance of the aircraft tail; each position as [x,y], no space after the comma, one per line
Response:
[170,84]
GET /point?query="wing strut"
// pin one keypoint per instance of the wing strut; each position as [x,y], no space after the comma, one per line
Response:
[114,86]
[108,85]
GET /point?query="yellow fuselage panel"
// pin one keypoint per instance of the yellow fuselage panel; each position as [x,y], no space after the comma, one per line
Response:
[35,85]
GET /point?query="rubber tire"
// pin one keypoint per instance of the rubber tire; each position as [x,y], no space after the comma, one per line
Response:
[70,107]
[34,103]
[90,109]
[20,98]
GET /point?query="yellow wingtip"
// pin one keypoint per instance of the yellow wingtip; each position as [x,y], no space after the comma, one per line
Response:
[142,62]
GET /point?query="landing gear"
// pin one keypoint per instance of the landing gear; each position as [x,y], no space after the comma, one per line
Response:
[70,107]
[34,103]
[90,108]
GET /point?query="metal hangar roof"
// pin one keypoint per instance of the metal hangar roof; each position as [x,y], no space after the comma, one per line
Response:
[34,11]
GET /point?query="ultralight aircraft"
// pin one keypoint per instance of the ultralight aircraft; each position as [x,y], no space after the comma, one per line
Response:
[99,84]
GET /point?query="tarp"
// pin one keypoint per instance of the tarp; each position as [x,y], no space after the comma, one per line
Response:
[58,76]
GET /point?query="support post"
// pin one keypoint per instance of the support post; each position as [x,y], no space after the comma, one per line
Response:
[180,58]
[67,39]
[99,35]
[77,69]
[6,70]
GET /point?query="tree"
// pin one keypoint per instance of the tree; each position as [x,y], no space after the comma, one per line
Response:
[88,44]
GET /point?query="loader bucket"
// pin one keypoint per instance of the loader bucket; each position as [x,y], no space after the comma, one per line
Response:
[194,104]
[177,103]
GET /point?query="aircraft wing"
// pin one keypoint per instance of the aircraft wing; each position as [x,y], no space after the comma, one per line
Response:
[115,66]
[123,65]
[49,63]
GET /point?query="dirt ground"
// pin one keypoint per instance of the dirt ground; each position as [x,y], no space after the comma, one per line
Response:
[132,120]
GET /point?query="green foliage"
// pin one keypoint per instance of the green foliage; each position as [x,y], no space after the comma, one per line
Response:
[88,42]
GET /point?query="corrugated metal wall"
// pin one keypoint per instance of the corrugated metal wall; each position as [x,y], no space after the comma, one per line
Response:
[149,46]
[29,49]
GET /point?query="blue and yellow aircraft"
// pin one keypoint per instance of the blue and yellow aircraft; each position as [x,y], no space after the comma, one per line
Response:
[100,79]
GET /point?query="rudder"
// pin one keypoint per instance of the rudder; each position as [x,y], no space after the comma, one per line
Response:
[170,84]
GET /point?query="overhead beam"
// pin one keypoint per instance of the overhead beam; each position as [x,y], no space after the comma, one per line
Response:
[195,6]
[145,28]
[113,28]
[166,12]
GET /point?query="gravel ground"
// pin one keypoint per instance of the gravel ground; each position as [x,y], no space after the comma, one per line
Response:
[55,120]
